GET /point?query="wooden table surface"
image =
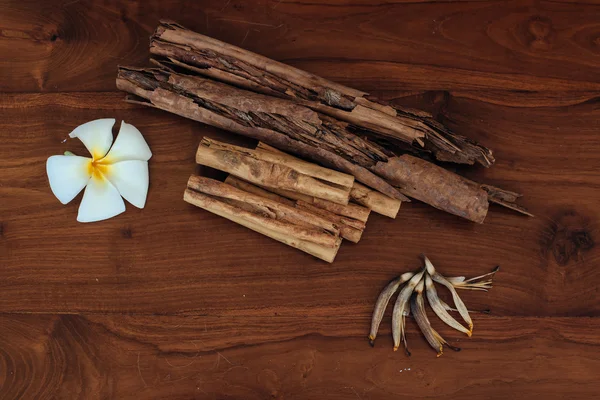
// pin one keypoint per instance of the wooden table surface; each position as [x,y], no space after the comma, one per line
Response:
[173,302]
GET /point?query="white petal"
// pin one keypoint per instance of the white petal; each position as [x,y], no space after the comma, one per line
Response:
[67,175]
[96,136]
[131,180]
[129,145]
[101,200]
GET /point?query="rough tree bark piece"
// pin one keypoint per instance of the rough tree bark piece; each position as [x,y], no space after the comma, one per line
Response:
[284,125]
[360,194]
[250,165]
[445,190]
[236,66]
[350,228]
[276,221]
[436,186]
[505,198]
[305,133]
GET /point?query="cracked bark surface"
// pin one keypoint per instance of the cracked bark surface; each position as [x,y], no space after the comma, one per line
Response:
[236,66]
[299,130]
[277,122]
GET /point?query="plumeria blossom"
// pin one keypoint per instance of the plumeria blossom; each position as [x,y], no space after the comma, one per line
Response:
[114,170]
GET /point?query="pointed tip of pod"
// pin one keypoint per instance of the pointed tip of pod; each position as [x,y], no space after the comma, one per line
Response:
[407,352]
[428,265]
[395,348]
[496,269]
[440,352]
[454,348]
[470,333]
[371,341]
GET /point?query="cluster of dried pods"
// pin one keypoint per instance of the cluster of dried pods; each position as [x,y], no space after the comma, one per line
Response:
[410,301]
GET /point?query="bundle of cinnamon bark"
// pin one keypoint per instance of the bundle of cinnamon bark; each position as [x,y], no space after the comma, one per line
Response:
[335,126]
[296,202]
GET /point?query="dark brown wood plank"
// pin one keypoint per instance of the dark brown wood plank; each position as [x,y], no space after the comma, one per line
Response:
[173,258]
[68,356]
[173,302]
[65,45]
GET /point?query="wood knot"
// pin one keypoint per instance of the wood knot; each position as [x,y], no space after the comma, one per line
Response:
[53,37]
[439,101]
[540,33]
[595,42]
[126,233]
[568,235]
[123,15]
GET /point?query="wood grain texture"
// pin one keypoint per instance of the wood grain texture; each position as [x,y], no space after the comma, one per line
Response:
[518,45]
[178,358]
[173,302]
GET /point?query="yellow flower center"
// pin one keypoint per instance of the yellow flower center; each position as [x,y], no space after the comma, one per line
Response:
[97,170]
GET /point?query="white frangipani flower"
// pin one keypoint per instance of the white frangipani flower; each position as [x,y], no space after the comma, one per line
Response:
[111,172]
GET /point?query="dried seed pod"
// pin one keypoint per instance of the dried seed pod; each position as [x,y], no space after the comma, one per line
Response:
[476,283]
[460,306]
[405,314]
[435,340]
[438,307]
[448,308]
[382,302]
[412,300]
[399,307]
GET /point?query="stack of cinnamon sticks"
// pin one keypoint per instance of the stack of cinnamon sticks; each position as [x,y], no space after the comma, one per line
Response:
[299,203]
[388,149]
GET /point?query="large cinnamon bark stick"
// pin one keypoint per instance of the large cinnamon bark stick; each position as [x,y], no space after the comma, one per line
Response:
[436,186]
[310,135]
[231,64]
[315,235]
[284,125]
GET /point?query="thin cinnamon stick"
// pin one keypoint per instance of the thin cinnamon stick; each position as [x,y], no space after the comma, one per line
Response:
[260,224]
[360,194]
[349,210]
[379,203]
[250,188]
[247,164]
[306,168]
[272,208]
[349,228]
[236,66]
